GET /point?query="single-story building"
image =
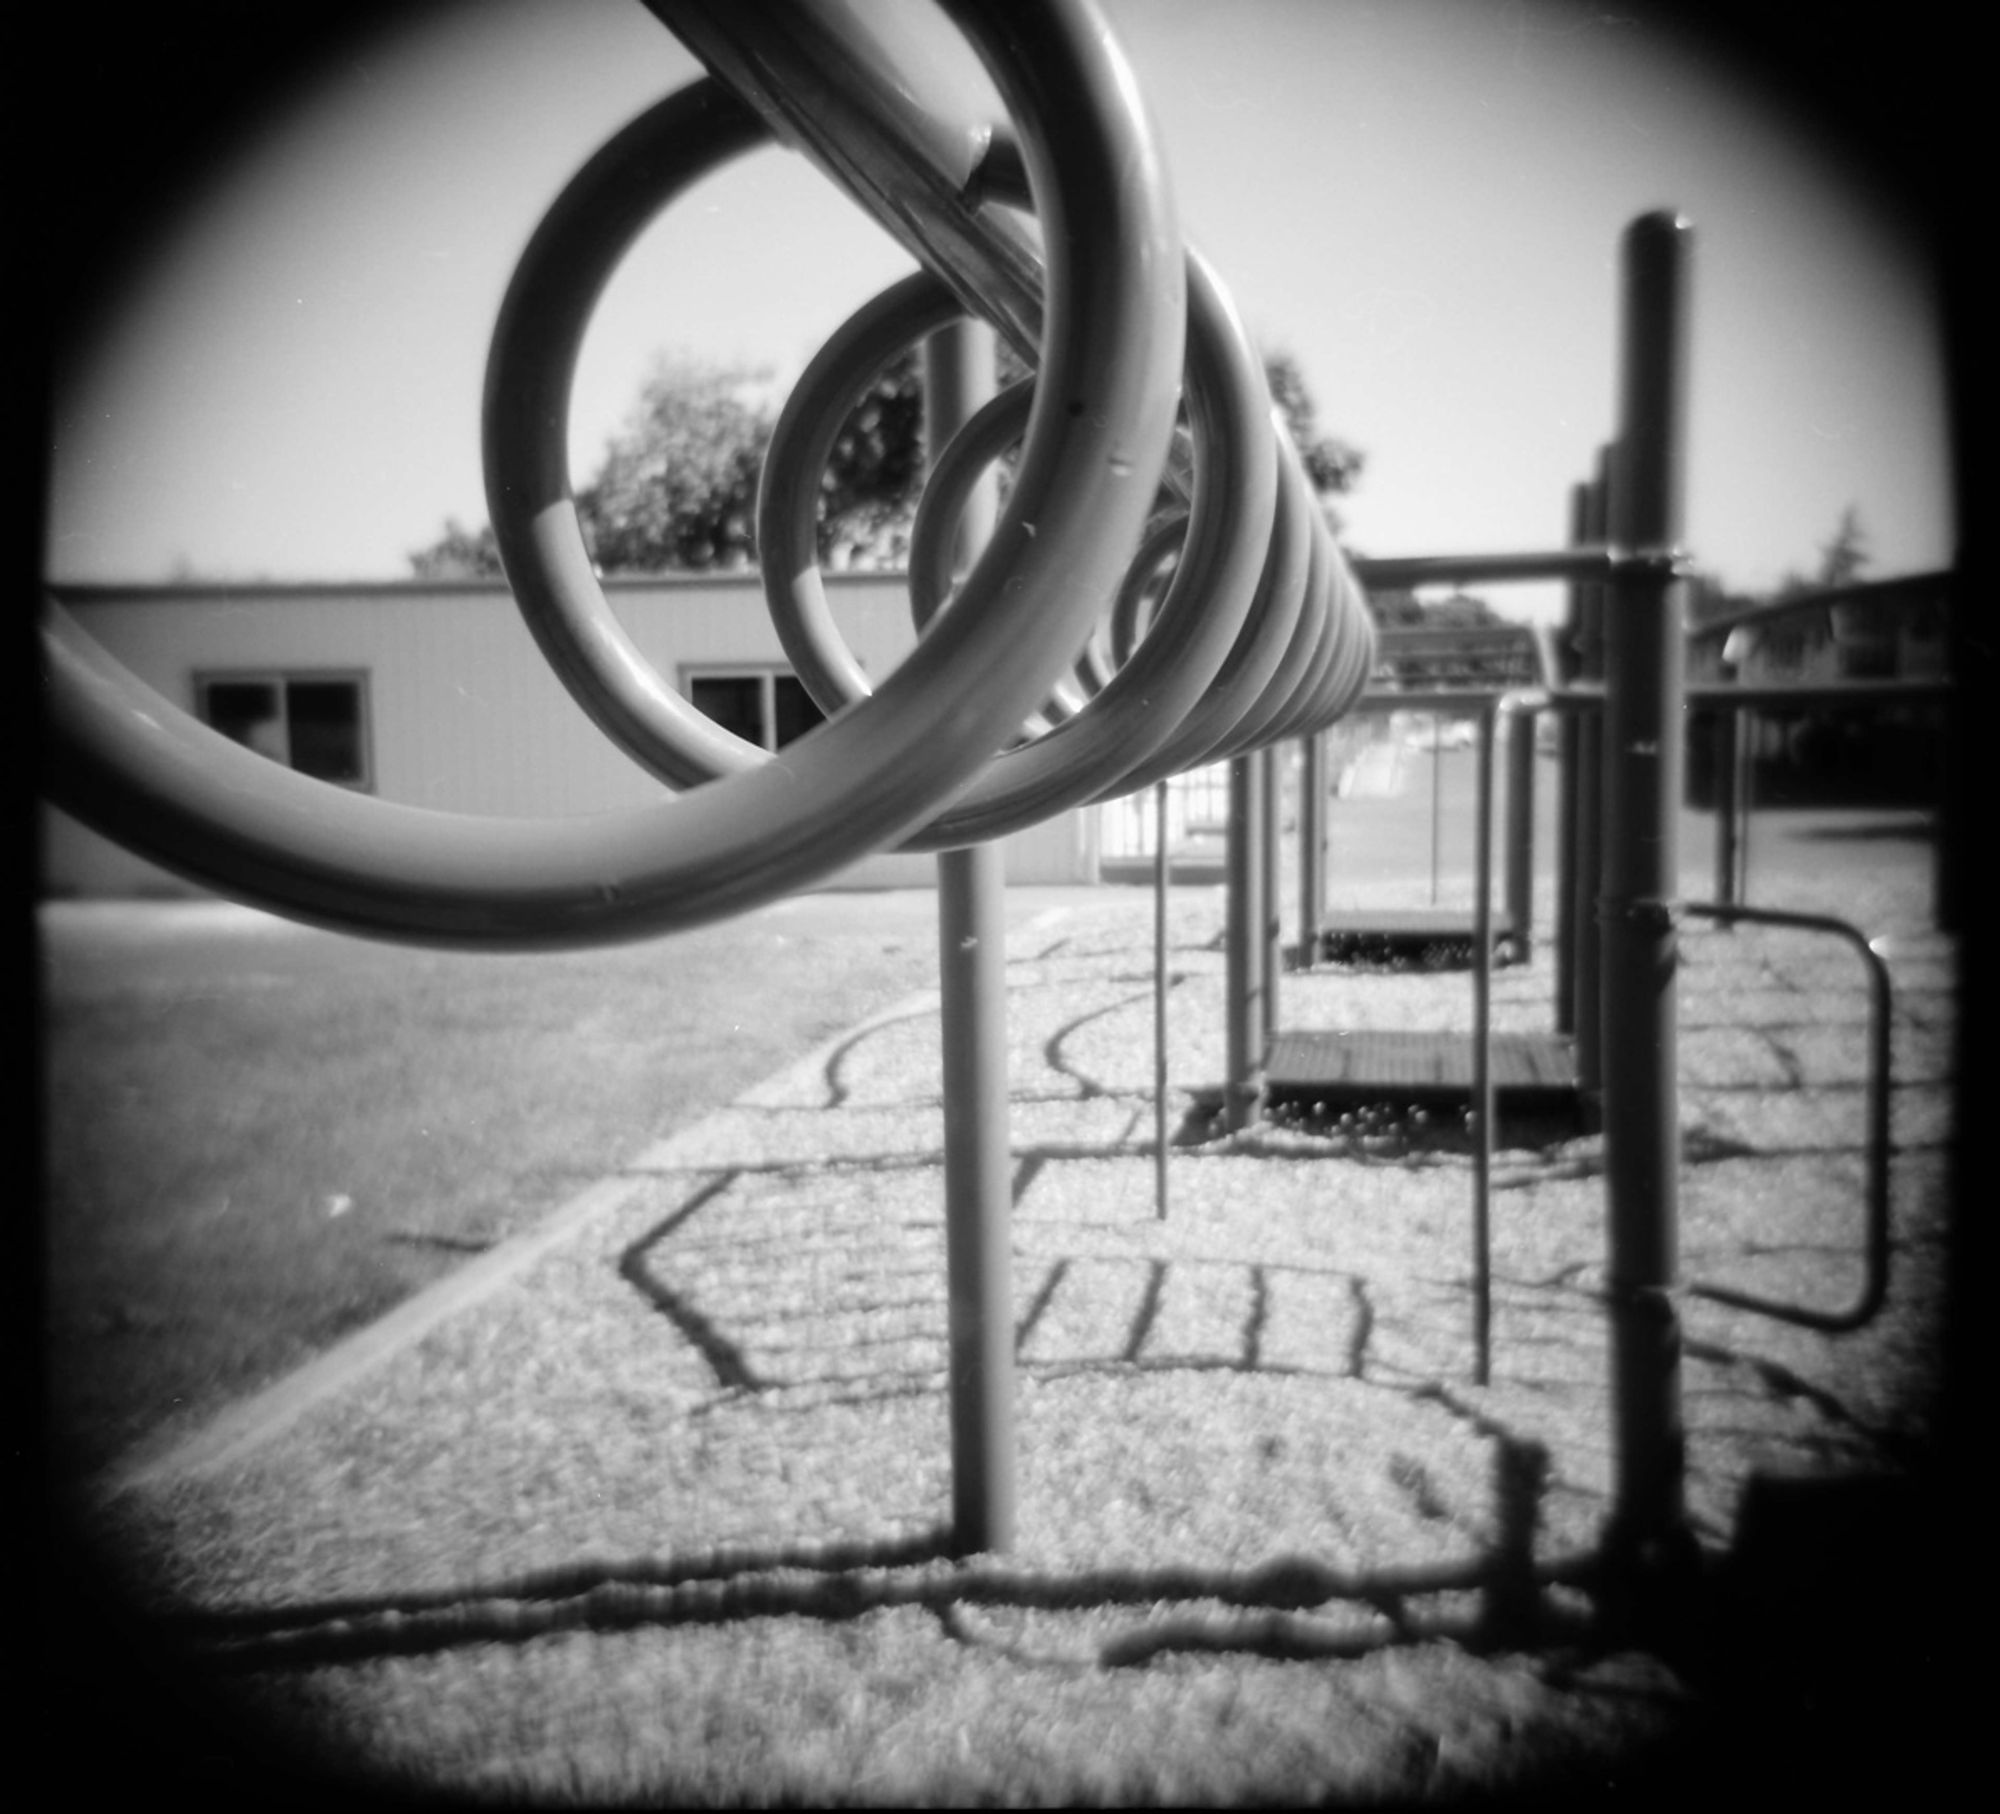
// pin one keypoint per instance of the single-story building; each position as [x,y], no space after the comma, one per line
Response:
[1829,755]
[434,694]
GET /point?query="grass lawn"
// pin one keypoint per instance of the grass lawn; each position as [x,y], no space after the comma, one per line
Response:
[258,1137]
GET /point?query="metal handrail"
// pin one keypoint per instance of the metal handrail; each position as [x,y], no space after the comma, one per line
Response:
[1523,702]
[1875,1239]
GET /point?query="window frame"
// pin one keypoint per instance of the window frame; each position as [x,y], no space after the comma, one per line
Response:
[283,679]
[766,674]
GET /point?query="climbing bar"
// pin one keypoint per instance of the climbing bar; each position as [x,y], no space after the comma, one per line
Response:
[1056,224]
[1594,562]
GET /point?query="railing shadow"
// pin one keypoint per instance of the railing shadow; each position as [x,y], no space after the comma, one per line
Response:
[1277,1609]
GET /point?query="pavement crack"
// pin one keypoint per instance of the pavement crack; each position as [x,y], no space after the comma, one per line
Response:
[1787,1056]
[410,1237]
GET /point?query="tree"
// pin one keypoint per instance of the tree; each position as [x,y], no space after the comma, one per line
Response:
[1333,466]
[678,487]
[1403,609]
[1841,560]
[677,490]
[459,553]
[875,473]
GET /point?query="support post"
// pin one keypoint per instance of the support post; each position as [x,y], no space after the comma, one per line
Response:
[1271,961]
[1520,869]
[1160,880]
[1569,730]
[972,982]
[1647,1537]
[1743,780]
[1244,983]
[1437,799]
[1589,872]
[1483,1097]
[1728,738]
[1313,784]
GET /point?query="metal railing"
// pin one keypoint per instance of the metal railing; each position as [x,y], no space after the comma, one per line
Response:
[1875,1243]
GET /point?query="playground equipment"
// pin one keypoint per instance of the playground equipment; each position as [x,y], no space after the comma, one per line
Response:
[1261,637]
[1447,674]
[1618,909]
[1261,634]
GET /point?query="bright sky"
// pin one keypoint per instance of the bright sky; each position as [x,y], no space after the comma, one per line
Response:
[1420,200]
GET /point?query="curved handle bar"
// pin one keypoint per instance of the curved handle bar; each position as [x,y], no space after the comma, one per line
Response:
[1875,1250]
[1138,708]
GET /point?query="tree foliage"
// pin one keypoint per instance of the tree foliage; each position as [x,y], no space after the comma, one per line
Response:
[1460,611]
[677,488]
[1332,465]
[1841,560]
[459,553]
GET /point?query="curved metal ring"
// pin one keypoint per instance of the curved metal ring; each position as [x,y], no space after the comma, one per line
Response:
[1137,710]
[1257,679]
[179,793]
[530,366]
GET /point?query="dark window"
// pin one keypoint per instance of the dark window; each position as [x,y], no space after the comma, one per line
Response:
[324,717]
[796,713]
[764,707]
[734,701]
[316,724]
[249,712]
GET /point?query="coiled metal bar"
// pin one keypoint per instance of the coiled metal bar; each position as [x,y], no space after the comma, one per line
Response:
[1262,632]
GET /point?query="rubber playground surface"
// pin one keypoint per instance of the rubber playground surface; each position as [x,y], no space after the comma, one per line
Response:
[649,1505]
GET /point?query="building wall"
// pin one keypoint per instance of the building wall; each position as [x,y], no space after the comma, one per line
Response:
[464,715]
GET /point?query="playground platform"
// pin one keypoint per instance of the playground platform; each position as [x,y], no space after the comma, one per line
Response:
[677,1463]
[1533,1073]
[1410,934]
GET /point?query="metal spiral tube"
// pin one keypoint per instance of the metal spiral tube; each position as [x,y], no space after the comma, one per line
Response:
[1261,633]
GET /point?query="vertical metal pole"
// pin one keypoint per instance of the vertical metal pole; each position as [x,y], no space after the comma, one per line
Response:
[1160,1000]
[1569,731]
[1645,681]
[1244,1012]
[1313,783]
[1590,817]
[1728,729]
[1520,834]
[972,980]
[1437,789]
[1744,781]
[1236,950]
[1482,1057]
[1271,960]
